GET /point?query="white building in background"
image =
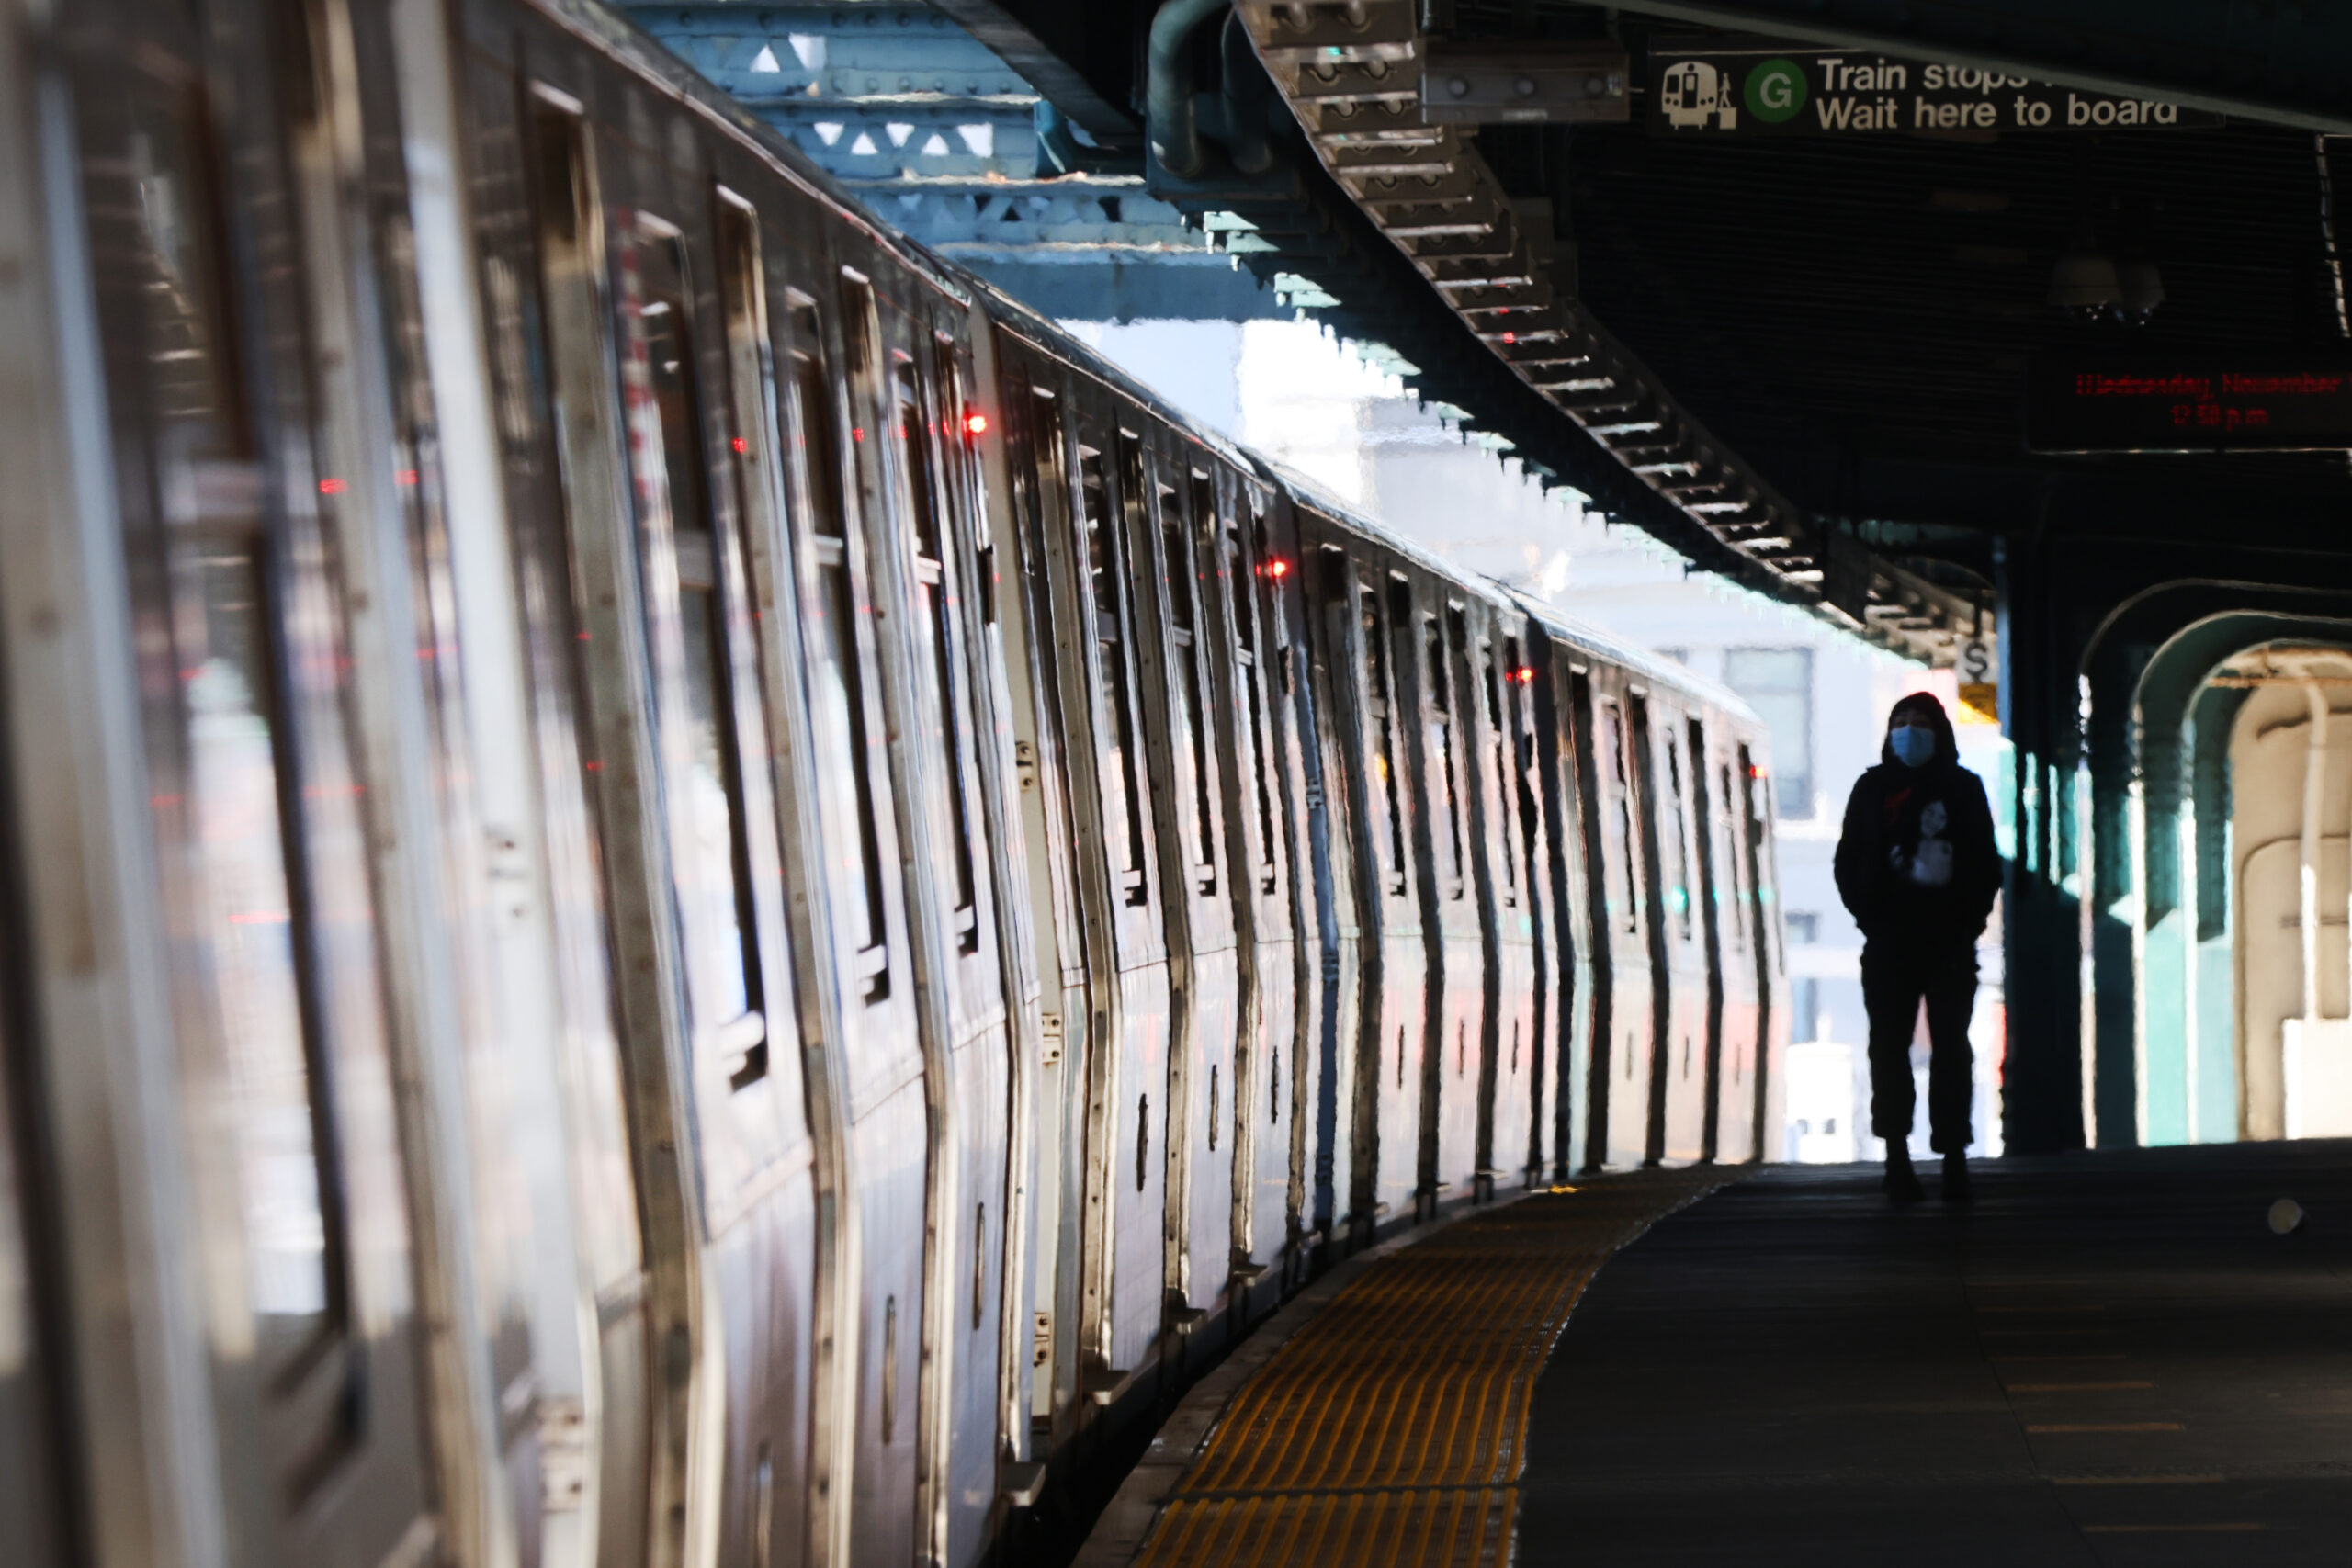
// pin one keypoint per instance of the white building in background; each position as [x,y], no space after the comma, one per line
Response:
[1294,392]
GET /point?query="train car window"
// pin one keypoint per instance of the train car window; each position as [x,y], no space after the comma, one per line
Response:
[1183,652]
[960,430]
[1678,895]
[1517,677]
[240,817]
[924,494]
[1735,862]
[1752,826]
[1379,705]
[1241,613]
[1621,864]
[1270,572]
[712,870]
[223,613]
[1106,585]
[753,466]
[1440,675]
[1499,745]
[838,683]
[570,260]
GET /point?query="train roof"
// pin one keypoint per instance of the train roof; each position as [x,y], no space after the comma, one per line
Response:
[1306,492]
[1008,311]
[1635,658]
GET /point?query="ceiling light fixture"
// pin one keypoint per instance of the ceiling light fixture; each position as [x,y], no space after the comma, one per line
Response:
[2143,286]
[2084,283]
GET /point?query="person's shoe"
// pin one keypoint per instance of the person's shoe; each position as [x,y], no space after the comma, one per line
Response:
[1956,1184]
[1901,1182]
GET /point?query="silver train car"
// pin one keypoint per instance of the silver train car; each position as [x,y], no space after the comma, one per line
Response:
[680,890]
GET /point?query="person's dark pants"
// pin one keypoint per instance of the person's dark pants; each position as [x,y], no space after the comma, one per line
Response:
[1896,976]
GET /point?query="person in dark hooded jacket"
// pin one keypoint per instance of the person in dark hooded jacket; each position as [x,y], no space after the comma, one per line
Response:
[1918,869]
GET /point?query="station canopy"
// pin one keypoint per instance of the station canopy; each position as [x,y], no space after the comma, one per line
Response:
[1862,306]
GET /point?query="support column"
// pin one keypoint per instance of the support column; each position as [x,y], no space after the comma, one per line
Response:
[2115,912]
[2167,927]
[2041,1093]
[2212,1112]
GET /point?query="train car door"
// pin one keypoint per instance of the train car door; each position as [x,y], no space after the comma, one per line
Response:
[1030,840]
[891,332]
[1617,840]
[1250,663]
[1372,728]
[1428,630]
[1567,782]
[968,380]
[1512,1091]
[1325,1141]
[993,975]
[1738,996]
[296,1185]
[1757,850]
[1304,863]
[1677,947]
[659,570]
[712,735]
[1186,790]
[1707,873]
[792,1304]
[1046,734]
[606,1492]
[1123,1256]
[873,1117]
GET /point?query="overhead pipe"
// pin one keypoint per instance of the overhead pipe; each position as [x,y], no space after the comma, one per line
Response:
[1169,117]
[1246,140]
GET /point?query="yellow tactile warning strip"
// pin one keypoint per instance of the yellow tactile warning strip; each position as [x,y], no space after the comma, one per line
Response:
[1390,1429]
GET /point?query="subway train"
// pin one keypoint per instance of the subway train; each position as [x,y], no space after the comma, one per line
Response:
[679,889]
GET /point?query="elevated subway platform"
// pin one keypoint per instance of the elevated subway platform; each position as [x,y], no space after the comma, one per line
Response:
[2108,1360]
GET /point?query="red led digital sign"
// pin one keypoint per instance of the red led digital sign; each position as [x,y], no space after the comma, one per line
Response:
[2282,404]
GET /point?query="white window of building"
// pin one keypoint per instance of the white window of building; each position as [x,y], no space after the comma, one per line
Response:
[1778,683]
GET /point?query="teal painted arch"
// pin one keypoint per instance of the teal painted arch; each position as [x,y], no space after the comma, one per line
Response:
[2184,1054]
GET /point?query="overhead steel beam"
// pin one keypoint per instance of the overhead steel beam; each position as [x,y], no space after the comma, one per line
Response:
[1429,195]
[1051,46]
[2284,61]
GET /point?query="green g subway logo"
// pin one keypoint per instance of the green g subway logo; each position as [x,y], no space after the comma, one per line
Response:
[1775,91]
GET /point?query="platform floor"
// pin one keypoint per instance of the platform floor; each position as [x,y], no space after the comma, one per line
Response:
[1381,1419]
[2108,1360]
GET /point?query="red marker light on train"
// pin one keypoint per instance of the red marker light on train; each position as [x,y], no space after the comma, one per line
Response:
[1277,569]
[976,424]
[1523,675]
[330,487]
[740,446]
[1511,337]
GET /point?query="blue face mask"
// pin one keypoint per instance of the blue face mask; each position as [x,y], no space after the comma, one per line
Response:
[1913,744]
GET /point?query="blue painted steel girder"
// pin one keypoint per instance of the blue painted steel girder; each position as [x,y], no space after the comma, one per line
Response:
[941,138]
[839,51]
[871,91]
